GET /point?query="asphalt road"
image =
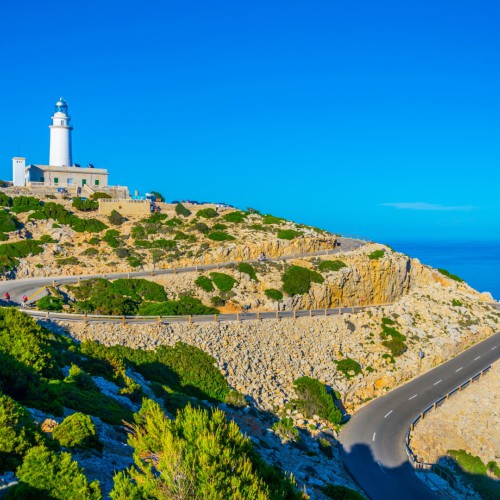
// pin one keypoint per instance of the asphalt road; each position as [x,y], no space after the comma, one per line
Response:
[30,286]
[373,447]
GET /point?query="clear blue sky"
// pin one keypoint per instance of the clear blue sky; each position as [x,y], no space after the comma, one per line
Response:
[375,118]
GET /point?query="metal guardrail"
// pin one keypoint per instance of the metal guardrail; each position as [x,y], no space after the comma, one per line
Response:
[190,319]
[432,467]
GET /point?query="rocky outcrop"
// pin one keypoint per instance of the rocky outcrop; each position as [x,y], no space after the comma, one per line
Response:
[263,358]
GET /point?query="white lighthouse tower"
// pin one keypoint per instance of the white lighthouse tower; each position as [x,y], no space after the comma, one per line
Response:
[60,136]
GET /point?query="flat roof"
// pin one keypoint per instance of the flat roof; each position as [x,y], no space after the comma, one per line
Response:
[83,170]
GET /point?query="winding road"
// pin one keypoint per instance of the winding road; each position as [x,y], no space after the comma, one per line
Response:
[373,441]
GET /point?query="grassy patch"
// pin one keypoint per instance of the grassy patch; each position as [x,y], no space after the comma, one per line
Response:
[348,367]
[220,236]
[331,265]
[223,281]
[314,399]
[273,294]
[235,217]
[204,283]
[453,277]
[297,280]
[288,234]
[207,213]
[248,269]
[377,254]
[180,209]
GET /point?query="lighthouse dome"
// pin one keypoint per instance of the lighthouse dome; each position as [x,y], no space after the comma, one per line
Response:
[61,105]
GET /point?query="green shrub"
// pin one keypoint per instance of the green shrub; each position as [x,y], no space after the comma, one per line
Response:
[174,221]
[274,294]
[46,238]
[325,447]
[285,429]
[94,240]
[297,280]
[179,235]
[50,303]
[236,399]
[111,237]
[156,217]
[4,237]
[219,227]
[248,269]
[394,340]
[453,277]
[77,431]
[223,281]
[395,345]
[81,379]
[456,303]
[288,234]
[45,474]
[85,205]
[18,433]
[5,201]
[183,307]
[139,289]
[134,261]
[270,219]
[314,399]
[159,197]
[220,236]
[68,261]
[207,213]
[8,222]
[331,265]
[122,253]
[348,367]
[116,218]
[100,195]
[204,283]
[38,215]
[377,254]
[235,217]
[87,225]
[25,204]
[217,301]
[21,249]
[468,462]
[193,449]
[202,228]
[180,209]
[338,492]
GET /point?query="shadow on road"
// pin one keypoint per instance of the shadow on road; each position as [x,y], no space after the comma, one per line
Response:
[383,483]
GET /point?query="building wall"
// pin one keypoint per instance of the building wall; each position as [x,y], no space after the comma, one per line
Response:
[69,176]
[125,207]
[18,171]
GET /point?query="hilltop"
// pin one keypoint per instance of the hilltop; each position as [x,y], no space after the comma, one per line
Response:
[287,383]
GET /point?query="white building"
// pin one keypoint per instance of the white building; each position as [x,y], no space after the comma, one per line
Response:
[61,173]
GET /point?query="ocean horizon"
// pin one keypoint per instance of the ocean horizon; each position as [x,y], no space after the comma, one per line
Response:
[476,262]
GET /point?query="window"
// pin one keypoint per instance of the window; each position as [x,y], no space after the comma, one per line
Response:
[97,182]
[70,182]
[84,181]
[56,180]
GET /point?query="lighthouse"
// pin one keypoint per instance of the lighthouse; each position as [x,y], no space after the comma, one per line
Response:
[60,136]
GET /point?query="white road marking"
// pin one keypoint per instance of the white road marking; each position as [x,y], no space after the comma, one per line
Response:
[438,382]
[475,359]
[374,434]
[413,397]
[388,414]
[493,348]
[458,369]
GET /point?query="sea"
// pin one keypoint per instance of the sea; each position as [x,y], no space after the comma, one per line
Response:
[476,262]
